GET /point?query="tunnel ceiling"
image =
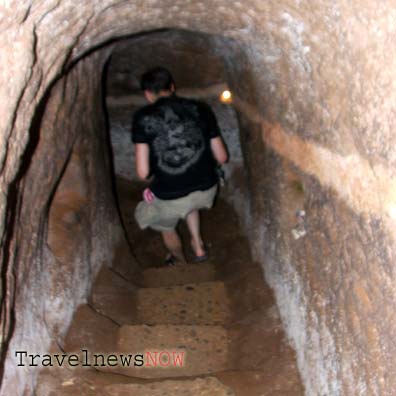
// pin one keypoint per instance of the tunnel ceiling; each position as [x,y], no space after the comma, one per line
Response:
[302,62]
[188,55]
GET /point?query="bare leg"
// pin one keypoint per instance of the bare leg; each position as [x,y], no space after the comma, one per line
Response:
[193,224]
[173,243]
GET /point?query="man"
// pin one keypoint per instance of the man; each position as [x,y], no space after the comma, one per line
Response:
[178,147]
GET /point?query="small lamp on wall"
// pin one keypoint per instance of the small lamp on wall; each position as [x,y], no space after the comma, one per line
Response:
[226,96]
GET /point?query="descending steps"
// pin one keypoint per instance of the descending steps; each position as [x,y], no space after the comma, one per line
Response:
[183,333]
[184,322]
[178,320]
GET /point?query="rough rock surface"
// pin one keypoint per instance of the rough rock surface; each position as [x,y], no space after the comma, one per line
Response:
[67,224]
[315,84]
[202,304]
[204,350]
[157,277]
[187,61]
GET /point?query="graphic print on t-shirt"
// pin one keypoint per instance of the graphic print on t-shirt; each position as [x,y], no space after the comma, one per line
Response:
[178,143]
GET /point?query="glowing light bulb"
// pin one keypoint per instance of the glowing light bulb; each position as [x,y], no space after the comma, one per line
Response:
[226,97]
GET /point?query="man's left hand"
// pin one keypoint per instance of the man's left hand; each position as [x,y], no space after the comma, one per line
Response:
[148,196]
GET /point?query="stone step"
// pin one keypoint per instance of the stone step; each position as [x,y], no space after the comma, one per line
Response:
[81,381]
[113,297]
[173,351]
[203,303]
[202,386]
[91,331]
[274,379]
[178,275]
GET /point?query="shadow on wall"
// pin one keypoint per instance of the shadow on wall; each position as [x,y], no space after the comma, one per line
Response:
[8,254]
[63,222]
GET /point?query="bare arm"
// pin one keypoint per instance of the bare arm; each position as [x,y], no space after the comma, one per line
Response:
[142,154]
[218,149]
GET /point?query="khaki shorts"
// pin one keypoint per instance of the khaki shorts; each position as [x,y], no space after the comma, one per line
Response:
[163,215]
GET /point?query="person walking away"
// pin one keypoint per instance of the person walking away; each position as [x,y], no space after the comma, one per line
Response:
[178,147]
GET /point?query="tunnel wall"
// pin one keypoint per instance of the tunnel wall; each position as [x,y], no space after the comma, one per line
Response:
[332,272]
[68,224]
[317,142]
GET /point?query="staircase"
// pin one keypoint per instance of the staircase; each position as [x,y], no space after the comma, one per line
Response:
[185,326]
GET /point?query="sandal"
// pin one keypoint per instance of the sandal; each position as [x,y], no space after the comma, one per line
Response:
[170,260]
[200,259]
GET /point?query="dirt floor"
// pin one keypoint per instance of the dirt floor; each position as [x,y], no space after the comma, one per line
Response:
[219,313]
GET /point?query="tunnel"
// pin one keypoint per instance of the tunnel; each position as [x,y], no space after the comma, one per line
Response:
[313,182]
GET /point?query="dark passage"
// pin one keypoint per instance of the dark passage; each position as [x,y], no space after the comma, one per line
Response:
[312,183]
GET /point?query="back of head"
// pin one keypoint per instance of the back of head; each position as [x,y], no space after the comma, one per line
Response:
[157,80]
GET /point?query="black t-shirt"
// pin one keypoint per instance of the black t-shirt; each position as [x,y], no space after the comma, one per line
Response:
[178,132]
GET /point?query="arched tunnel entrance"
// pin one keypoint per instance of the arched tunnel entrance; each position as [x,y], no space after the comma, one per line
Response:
[314,97]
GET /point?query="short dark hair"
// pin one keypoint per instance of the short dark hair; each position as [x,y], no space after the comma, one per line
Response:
[157,80]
